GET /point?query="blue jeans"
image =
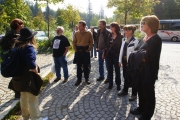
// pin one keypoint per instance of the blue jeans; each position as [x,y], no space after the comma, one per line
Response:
[93,49]
[61,62]
[113,61]
[101,64]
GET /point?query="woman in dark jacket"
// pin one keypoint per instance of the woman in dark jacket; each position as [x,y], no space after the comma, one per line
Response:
[94,45]
[150,66]
[8,40]
[112,53]
[26,45]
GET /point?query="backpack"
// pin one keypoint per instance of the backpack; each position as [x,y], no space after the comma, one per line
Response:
[11,63]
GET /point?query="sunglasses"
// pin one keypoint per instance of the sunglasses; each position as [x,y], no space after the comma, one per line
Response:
[143,23]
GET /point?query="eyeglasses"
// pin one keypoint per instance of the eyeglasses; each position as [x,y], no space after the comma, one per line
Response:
[143,23]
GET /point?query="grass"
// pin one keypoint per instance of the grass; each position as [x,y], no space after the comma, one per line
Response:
[15,113]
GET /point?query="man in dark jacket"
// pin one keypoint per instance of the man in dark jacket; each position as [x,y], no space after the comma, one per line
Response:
[102,42]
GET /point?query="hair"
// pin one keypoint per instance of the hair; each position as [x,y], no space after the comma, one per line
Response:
[116,26]
[60,27]
[152,21]
[31,41]
[92,28]
[82,22]
[103,21]
[15,23]
[130,27]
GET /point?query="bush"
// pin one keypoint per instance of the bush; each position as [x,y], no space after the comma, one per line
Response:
[139,35]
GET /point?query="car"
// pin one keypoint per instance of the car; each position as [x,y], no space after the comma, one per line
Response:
[41,35]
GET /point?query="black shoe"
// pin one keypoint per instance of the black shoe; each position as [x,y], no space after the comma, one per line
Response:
[87,81]
[118,88]
[77,82]
[122,93]
[65,80]
[110,87]
[100,78]
[57,79]
[106,81]
[135,111]
[95,57]
[132,98]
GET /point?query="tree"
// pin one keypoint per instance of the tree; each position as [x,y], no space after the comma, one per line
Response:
[15,9]
[70,15]
[169,8]
[89,14]
[134,8]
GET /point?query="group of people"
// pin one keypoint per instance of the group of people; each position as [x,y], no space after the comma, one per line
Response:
[114,49]
[139,59]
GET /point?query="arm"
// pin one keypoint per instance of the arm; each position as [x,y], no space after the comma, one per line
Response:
[91,41]
[74,42]
[65,52]
[121,53]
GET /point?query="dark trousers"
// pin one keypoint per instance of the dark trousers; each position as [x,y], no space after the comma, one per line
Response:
[125,89]
[147,100]
[113,61]
[82,58]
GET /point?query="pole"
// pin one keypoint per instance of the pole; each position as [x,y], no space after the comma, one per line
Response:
[48,16]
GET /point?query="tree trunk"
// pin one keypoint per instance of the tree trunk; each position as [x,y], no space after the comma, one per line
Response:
[125,18]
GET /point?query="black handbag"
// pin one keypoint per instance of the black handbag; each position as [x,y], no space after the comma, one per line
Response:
[30,82]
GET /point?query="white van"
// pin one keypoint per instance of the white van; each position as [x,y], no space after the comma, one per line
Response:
[169,29]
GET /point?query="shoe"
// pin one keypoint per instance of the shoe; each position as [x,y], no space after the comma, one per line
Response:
[120,93]
[100,78]
[135,111]
[132,98]
[118,88]
[143,118]
[87,81]
[57,79]
[77,82]
[106,81]
[110,87]
[65,80]
[95,57]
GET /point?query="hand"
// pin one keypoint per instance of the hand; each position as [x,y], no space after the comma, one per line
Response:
[120,65]
[34,70]
[103,56]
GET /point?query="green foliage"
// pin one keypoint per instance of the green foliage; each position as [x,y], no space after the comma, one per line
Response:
[69,15]
[168,9]
[13,113]
[134,8]
[139,35]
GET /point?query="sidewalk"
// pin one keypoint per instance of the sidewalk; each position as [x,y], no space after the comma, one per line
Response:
[6,95]
[60,101]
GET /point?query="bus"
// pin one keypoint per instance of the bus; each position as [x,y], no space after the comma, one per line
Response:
[169,29]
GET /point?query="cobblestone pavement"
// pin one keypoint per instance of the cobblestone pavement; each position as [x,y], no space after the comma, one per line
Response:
[95,102]
[6,95]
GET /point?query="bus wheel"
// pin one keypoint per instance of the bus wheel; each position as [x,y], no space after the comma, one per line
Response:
[174,39]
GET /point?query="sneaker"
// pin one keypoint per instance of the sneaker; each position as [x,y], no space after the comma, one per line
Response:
[77,82]
[135,111]
[87,81]
[132,98]
[106,81]
[100,78]
[65,80]
[120,93]
[57,79]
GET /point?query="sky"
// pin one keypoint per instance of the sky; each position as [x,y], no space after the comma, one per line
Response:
[82,5]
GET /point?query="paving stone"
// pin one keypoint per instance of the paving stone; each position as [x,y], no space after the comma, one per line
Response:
[95,101]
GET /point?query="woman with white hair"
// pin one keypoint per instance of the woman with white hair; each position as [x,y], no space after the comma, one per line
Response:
[60,46]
